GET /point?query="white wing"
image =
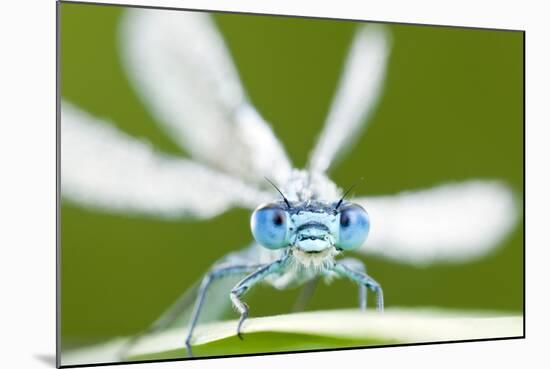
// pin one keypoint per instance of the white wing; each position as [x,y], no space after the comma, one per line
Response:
[181,68]
[102,167]
[451,222]
[357,94]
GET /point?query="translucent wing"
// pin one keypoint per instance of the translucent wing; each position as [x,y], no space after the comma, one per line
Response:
[181,68]
[357,94]
[451,222]
[102,167]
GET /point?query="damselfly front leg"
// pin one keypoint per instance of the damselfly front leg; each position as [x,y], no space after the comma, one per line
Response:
[363,279]
[358,266]
[216,273]
[243,286]
[309,288]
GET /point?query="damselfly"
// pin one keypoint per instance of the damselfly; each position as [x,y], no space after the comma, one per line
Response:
[180,66]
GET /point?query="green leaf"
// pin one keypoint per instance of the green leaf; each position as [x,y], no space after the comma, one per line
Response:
[311,330]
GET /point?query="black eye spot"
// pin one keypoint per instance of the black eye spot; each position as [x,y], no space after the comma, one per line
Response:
[344,219]
[278,218]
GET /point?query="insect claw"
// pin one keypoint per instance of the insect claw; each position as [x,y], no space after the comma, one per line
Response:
[188,347]
[244,315]
[189,352]
[239,333]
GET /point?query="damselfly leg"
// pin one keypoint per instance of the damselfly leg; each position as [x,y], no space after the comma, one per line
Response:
[243,286]
[216,273]
[358,266]
[363,279]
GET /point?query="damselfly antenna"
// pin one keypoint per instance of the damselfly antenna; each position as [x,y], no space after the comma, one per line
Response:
[344,196]
[277,188]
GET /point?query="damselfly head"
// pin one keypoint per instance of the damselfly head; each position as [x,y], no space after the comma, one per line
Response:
[310,227]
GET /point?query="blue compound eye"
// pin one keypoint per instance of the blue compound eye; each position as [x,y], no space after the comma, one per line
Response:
[269,226]
[354,227]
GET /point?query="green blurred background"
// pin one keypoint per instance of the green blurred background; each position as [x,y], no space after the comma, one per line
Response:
[451,110]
